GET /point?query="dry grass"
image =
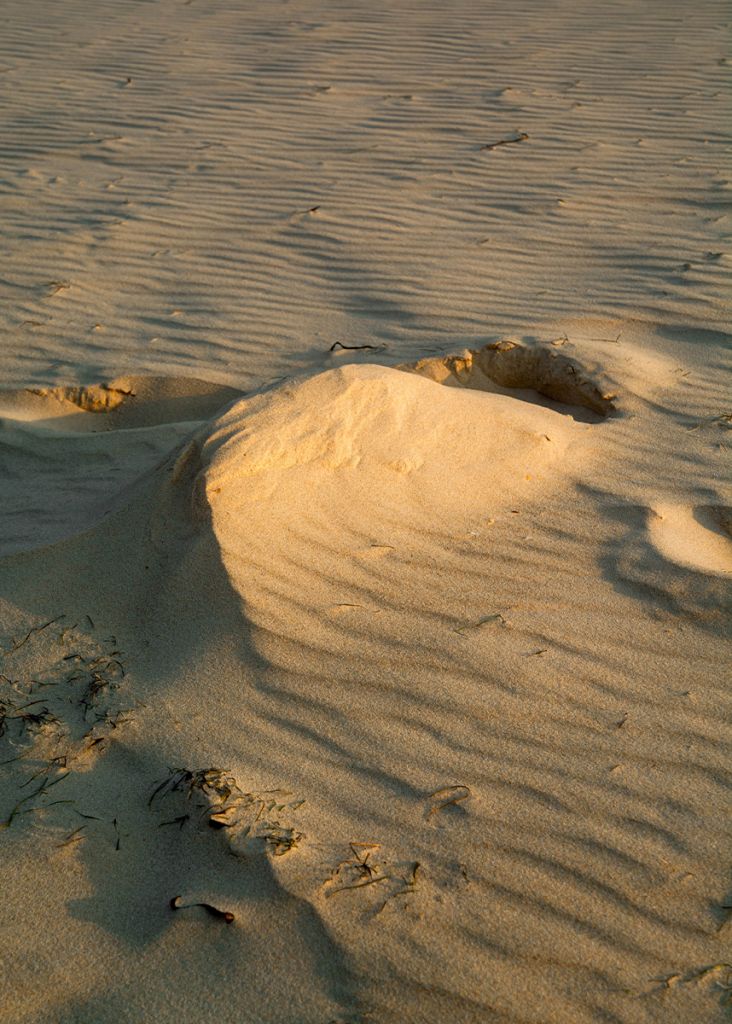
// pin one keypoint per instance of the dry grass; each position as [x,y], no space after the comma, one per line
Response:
[248,818]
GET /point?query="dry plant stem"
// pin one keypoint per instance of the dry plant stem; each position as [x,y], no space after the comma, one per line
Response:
[73,837]
[45,786]
[522,137]
[495,617]
[452,795]
[357,885]
[225,915]
[409,887]
[353,348]
[36,629]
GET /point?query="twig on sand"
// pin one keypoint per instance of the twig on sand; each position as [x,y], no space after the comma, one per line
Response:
[357,885]
[17,644]
[724,419]
[47,783]
[73,837]
[225,806]
[521,137]
[224,915]
[448,796]
[720,972]
[362,872]
[55,763]
[495,617]
[353,348]
[410,885]
[179,821]
[212,780]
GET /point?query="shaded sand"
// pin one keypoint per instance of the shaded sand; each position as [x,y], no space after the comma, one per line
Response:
[383,684]
[697,538]
[399,674]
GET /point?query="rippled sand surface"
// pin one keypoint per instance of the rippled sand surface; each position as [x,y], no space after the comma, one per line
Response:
[365,544]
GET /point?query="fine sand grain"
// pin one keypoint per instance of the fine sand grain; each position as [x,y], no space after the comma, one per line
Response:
[365,519]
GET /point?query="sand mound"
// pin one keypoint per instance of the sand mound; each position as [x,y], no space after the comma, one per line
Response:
[122,404]
[86,447]
[510,365]
[369,434]
[696,538]
[315,697]
[312,480]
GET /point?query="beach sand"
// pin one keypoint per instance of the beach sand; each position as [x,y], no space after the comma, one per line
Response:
[365,519]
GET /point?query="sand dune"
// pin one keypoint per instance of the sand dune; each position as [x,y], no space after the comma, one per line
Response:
[364,514]
[365,625]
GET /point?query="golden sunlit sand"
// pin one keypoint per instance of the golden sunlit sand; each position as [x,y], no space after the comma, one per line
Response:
[365,548]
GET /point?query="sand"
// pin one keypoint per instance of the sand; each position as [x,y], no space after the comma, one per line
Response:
[365,519]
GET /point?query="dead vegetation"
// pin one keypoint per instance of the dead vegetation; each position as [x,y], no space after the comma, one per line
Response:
[59,707]
[719,975]
[486,620]
[252,821]
[367,867]
[447,796]
[520,137]
[222,915]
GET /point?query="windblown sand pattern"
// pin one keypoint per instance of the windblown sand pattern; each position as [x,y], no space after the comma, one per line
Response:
[365,543]
[190,185]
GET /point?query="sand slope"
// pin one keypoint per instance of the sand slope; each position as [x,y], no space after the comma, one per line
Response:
[463,746]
